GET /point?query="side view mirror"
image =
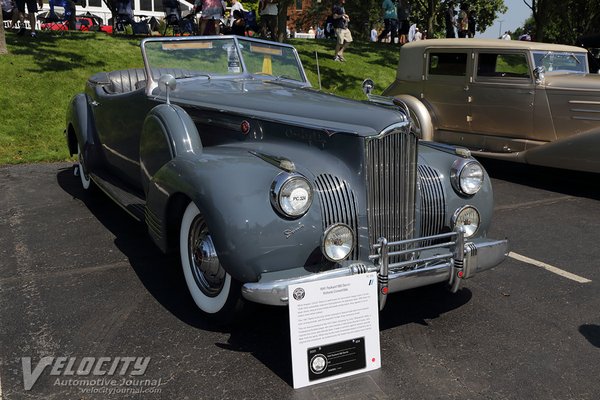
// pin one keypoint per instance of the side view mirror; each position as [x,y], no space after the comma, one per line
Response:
[539,74]
[166,83]
[367,86]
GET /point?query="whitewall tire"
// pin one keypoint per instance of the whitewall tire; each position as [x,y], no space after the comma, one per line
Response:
[211,287]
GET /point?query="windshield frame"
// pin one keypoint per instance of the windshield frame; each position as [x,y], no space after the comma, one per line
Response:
[152,83]
[539,56]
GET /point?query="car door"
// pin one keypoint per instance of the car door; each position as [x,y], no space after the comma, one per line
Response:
[501,99]
[445,89]
[119,119]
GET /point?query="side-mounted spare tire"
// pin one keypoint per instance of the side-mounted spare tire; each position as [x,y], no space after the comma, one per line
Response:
[168,132]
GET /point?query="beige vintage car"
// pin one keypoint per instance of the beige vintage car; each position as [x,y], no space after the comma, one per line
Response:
[529,102]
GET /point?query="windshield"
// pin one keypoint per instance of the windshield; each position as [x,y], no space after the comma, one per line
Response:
[559,61]
[221,56]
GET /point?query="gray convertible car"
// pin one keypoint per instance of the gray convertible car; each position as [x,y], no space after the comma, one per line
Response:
[222,148]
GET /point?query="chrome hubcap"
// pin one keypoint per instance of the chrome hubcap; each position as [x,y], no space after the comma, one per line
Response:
[206,269]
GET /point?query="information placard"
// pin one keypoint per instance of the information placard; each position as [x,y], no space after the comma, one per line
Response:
[334,328]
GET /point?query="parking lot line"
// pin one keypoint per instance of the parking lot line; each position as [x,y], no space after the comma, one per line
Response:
[549,268]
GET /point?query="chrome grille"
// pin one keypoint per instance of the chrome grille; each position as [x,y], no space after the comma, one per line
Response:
[433,204]
[338,204]
[391,185]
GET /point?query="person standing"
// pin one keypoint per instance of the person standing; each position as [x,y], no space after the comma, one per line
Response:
[390,20]
[20,15]
[235,5]
[506,36]
[450,20]
[268,11]
[403,20]
[463,20]
[374,36]
[212,12]
[344,37]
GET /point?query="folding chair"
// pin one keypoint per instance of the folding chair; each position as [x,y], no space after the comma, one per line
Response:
[172,16]
[60,22]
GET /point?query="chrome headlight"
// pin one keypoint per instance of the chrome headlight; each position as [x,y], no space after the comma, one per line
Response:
[291,194]
[468,218]
[466,176]
[338,242]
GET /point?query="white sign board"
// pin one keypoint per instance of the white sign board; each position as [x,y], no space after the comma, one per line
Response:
[334,328]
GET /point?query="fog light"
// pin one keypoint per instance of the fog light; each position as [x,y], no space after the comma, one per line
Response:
[468,218]
[338,242]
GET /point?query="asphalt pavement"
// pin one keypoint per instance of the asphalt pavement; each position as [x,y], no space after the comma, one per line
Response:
[80,280]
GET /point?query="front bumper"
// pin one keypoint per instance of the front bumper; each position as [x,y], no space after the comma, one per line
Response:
[400,266]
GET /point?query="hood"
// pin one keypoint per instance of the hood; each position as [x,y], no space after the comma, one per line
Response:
[575,81]
[287,103]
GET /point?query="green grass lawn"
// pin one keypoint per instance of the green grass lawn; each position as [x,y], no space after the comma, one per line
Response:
[39,77]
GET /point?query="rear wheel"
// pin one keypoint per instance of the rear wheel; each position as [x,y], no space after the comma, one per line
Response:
[214,291]
[81,169]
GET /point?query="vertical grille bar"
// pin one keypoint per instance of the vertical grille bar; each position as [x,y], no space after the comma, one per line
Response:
[338,204]
[391,182]
[433,204]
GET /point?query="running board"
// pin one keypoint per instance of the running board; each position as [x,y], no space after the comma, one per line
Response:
[120,194]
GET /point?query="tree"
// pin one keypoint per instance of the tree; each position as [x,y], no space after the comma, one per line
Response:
[542,12]
[3,49]
[430,13]
[425,13]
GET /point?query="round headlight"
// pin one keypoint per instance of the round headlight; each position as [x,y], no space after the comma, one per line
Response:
[468,218]
[338,242]
[291,194]
[467,176]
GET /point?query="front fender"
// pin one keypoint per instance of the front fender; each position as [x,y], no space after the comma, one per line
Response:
[249,236]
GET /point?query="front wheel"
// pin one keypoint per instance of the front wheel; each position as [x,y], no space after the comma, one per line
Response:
[214,291]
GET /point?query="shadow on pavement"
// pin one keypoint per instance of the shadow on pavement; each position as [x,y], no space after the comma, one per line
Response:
[264,331]
[591,333]
[574,183]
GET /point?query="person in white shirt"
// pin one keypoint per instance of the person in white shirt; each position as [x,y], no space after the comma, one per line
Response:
[418,35]
[235,5]
[506,36]
[374,35]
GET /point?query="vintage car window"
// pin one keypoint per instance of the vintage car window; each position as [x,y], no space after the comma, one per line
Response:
[193,57]
[561,61]
[454,64]
[499,65]
[271,59]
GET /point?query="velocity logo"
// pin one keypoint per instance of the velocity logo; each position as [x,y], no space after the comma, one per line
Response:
[86,366]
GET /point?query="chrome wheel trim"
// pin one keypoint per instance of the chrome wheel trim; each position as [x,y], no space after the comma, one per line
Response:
[207,297]
[204,262]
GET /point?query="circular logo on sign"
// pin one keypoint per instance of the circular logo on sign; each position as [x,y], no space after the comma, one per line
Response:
[318,364]
[298,293]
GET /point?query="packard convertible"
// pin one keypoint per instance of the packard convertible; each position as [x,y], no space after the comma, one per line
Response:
[220,146]
[535,103]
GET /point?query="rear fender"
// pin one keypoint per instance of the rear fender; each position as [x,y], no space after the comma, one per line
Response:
[81,130]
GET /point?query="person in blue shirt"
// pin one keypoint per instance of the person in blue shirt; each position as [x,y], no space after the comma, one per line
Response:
[390,20]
